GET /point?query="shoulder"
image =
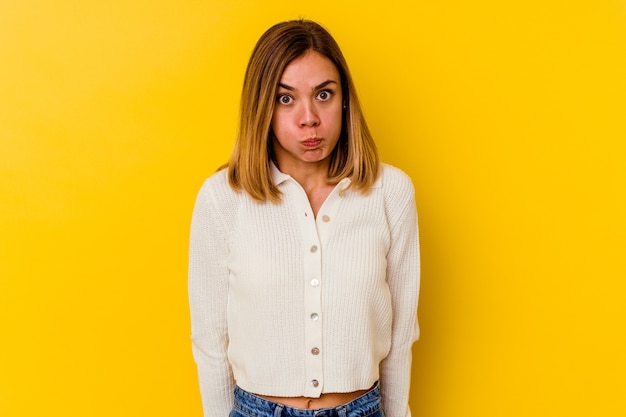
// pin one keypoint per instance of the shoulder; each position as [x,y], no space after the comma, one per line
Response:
[394,181]
[217,191]
[216,183]
[217,202]
[399,197]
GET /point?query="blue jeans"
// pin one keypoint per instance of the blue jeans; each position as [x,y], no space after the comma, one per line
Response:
[250,405]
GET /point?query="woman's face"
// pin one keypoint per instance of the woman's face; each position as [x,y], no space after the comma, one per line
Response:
[307,113]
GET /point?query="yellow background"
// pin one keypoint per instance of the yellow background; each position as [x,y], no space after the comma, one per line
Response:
[509,116]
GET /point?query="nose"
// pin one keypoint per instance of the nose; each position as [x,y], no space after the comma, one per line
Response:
[308,115]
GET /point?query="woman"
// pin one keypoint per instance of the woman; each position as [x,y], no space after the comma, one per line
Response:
[304,258]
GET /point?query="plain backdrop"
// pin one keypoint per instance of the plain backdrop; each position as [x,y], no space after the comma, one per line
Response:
[509,116]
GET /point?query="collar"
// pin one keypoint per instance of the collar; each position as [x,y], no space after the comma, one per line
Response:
[279,177]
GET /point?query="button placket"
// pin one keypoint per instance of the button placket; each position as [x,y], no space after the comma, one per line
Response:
[316,232]
[313,319]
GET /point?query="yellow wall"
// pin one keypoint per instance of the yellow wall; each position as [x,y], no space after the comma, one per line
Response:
[509,116]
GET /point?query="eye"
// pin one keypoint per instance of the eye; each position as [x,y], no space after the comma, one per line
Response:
[284,99]
[324,95]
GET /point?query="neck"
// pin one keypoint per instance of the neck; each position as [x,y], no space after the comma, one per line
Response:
[309,175]
[313,178]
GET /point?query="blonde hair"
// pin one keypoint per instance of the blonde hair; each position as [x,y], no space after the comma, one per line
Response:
[355,154]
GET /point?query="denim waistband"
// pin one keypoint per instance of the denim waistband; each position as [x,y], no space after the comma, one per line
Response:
[253,405]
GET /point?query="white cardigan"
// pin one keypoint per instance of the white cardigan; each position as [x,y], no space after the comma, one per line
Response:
[286,304]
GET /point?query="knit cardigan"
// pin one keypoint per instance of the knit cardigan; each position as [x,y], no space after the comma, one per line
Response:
[285,303]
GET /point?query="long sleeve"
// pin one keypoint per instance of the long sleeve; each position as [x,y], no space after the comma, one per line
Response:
[403,276]
[208,294]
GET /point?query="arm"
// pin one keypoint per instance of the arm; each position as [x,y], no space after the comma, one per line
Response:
[403,277]
[208,294]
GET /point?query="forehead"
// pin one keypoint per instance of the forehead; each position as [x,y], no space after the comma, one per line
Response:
[310,68]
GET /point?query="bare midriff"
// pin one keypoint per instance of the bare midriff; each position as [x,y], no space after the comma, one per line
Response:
[329,400]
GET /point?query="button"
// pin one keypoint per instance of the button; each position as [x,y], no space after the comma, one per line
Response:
[315,282]
[315,351]
[314,316]
[325,218]
[315,383]
[313,249]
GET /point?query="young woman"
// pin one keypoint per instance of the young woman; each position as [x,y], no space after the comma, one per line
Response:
[304,257]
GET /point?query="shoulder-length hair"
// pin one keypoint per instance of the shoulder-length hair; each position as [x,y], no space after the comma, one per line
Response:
[355,155]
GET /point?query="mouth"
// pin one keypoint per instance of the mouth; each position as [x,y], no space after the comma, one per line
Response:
[311,142]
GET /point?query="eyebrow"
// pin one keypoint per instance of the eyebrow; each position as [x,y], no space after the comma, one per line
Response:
[317,87]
